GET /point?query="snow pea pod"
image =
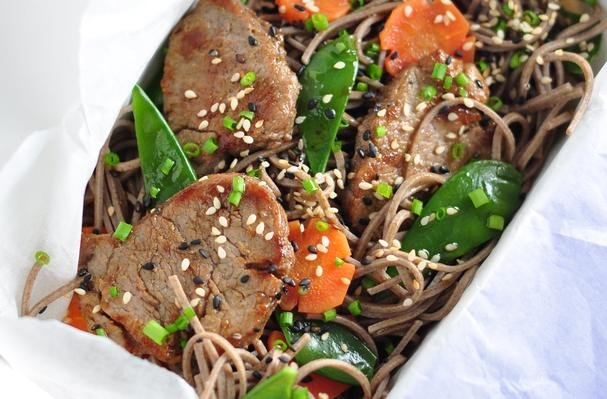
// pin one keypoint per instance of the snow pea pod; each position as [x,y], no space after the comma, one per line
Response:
[278,386]
[456,219]
[338,343]
[166,169]
[326,85]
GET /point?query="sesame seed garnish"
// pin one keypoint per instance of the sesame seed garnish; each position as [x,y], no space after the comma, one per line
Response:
[546,80]
[235,77]
[197,280]
[417,159]
[215,231]
[439,149]
[126,297]
[322,249]
[327,98]
[203,125]
[251,219]
[539,60]
[195,302]
[245,278]
[383,243]
[260,227]
[202,113]
[319,271]
[211,211]
[363,185]
[248,139]
[299,120]
[468,102]
[216,302]
[233,103]
[96,309]
[451,247]
[222,108]
[311,257]
[190,94]
[421,106]
[221,252]
[269,236]
[214,107]
[216,61]
[259,123]
[324,336]
[424,220]
[435,258]
[408,302]
[223,221]
[452,116]
[408,10]
[382,112]
[246,125]
[200,292]
[239,134]
[221,239]
[344,347]
[452,211]
[345,280]
[391,258]
[216,203]
[110,211]
[185,264]
[438,19]
[339,65]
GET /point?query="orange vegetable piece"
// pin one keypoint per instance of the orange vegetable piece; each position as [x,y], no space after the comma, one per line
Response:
[319,384]
[468,49]
[74,316]
[332,9]
[418,28]
[329,282]
[275,336]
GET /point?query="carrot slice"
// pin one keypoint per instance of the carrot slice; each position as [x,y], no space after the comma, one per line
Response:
[418,28]
[329,280]
[468,49]
[317,384]
[296,11]
[74,316]
[275,336]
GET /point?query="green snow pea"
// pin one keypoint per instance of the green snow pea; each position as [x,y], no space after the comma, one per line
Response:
[278,386]
[326,85]
[166,169]
[466,210]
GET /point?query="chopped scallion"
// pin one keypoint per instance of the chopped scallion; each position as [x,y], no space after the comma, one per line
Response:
[122,231]
[42,257]
[375,72]
[191,150]
[210,145]
[154,331]
[339,262]
[247,114]
[300,393]
[285,319]
[482,65]
[478,197]
[495,222]
[309,185]
[229,122]
[111,158]
[189,313]
[439,71]
[238,184]
[495,103]
[280,344]
[462,92]
[321,226]
[507,10]
[336,146]
[320,22]
[516,59]
[248,78]
[101,332]
[448,82]
[166,166]
[362,86]
[154,191]
[417,206]
[458,150]
[367,282]
[329,315]
[441,213]
[234,198]
[461,79]
[531,18]
[381,131]
[428,92]
[355,308]
[113,290]
[384,189]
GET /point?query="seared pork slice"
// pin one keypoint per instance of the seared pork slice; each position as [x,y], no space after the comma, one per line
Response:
[213,47]
[406,147]
[229,259]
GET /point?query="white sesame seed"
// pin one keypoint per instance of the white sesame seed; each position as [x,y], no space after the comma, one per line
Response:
[325,241]
[424,221]
[322,249]
[215,231]
[311,257]
[451,136]
[394,144]
[327,98]
[339,65]
[452,116]
[452,211]
[259,124]
[234,162]
[324,336]
[319,271]
[423,253]
[248,139]
[233,103]
[200,292]
[408,10]
[202,113]
[468,103]
[448,96]
[555,7]
[391,258]
[546,80]
[235,78]
[408,302]
[211,211]
[383,243]
[497,39]
[96,309]
[239,134]
[408,157]
[216,203]
[363,185]
[222,108]
[435,258]
[195,302]
[214,107]
[223,221]
[251,219]
[438,19]
[240,95]
[110,211]
[539,60]
[221,252]
[126,297]
[221,239]
[382,112]
[421,106]
[299,120]
[449,15]
[246,125]
[417,159]
[344,347]
[247,90]
[269,236]
[185,264]
[190,94]
[203,125]
[260,227]
[422,265]
[447,276]
[216,61]
[439,149]
[451,247]
[345,280]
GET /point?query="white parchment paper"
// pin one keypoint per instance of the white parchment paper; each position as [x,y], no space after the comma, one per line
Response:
[532,324]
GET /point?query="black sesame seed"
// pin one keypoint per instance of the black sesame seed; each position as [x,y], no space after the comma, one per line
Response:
[367,135]
[196,241]
[289,175]
[95,326]
[87,278]
[240,59]
[360,152]
[368,201]
[484,122]
[43,310]
[295,246]
[272,268]
[363,221]
[443,110]
[96,231]
[305,282]
[268,360]
[368,95]
[256,374]
[284,358]
[252,107]
[278,296]
[216,302]
[138,207]
[372,151]
[197,280]
[376,108]
[148,266]
[147,201]
[252,41]
[214,53]
[272,31]
[478,83]
[394,55]
[299,7]
[459,53]
[256,329]
[441,169]
[365,261]
[245,279]
[312,249]
[203,253]
[330,113]
[183,246]
[312,103]
[85,285]
[82,272]
[288,281]
[307,378]
[448,60]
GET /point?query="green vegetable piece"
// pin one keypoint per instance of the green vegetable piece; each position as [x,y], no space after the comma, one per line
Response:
[367,282]
[355,308]
[111,158]
[329,315]
[336,146]
[458,150]
[42,257]
[495,103]
[362,86]
[531,18]
[101,332]
[462,92]
[381,131]
[461,79]
[300,393]
[166,166]
[340,344]
[238,184]
[278,386]
[439,71]
[247,114]
[428,92]
[448,82]
[248,79]
[229,122]
[156,142]
[321,226]
[339,262]
[113,291]
[191,150]
[189,313]
[478,197]
[210,145]
[507,10]
[309,185]
[495,222]
[154,191]
[330,71]
[501,185]
[280,344]
[154,331]
[375,72]
[482,65]
[592,49]
[234,198]
[286,318]
[416,206]
[122,231]
[384,189]
[320,22]
[516,59]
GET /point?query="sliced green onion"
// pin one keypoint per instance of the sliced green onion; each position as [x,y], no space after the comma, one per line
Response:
[122,231]
[154,331]
[285,319]
[280,344]
[375,72]
[191,150]
[309,185]
[428,92]
[320,22]
[42,257]
[416,206]
[461,79]
[362,86]
[308,25]
[329,315]
[238,184]
[355,4]
[172,328]
[255,172]
[339,261]
[111,158]
[154,191]
[448,82]
[372,49]
[234,198]
[101,332]
[458,150]
[482,65]
[229,122]
[248,78]
[189,313]
[247,114]
[515,60]
[500,26]
[384,189]
[367,282]
[321,226]
[439,71]
[113,290]
[495,103]
[389,348]
[508,11]
[336,146]
[166,166]
[210,145]
[495,222]
[181,323]
[441,213]
[355,308]
[478,197]
[381,131]
[531,18]
[462,92]
[300,393]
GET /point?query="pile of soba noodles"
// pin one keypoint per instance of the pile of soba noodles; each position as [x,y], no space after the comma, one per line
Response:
[542,98]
